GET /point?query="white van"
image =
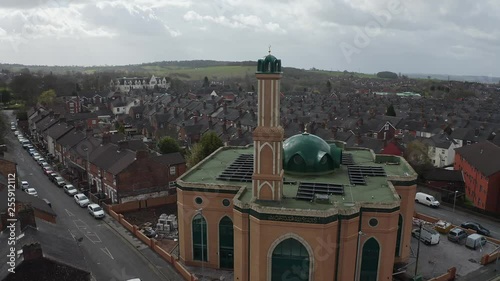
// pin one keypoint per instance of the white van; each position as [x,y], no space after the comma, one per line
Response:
[426,199]
[429,236]
[475,241]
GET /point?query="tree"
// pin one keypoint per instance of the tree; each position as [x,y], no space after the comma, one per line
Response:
[168,145]
[329,86]
[205,82]
[5,96]
[390,111]
[47,97]
[209,142]
[121,129]
[387,75]
[417,154]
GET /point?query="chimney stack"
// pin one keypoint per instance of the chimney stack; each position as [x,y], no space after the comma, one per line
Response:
[204,105]
[210,123]
[32,251]
[195,119]
[122,145]
[175,112]
[224,128]
[141,154]
[224,106]
[186,115]
[240,133]
[358,138]
[106,138]
[26,216]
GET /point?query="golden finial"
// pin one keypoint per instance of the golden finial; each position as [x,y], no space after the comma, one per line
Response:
[269,49]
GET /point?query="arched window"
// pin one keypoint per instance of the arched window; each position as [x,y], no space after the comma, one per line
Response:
[199,238]
[226,243]
[369,260]
[290,261]
[398,238]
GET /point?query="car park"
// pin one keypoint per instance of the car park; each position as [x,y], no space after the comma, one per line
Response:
[96,211]
[476,227]
[81,200]
[426,199]
[428,235]
[31,191]
[70,190]
[457,235]
[24,185]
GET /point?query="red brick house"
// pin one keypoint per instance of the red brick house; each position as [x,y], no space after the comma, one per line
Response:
[480,165]
[393,147]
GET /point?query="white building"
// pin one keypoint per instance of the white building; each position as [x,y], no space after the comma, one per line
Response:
[136,83]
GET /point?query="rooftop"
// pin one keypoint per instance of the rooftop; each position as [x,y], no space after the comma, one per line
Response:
[378,191]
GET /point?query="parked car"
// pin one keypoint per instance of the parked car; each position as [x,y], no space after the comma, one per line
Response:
[81,200]
[44,164]
[60,181]
[16,133]
[96,211]
[475,241]
[32,151]
[456,235]
[426,199]
[49,173]
[36,156]
[40,160]
[477,227]
[428,235]
[70,190]
[13,128]
[24,185]
[52,176]
[31,191]
[48,202]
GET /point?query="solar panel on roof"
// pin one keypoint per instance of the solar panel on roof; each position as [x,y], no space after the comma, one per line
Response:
[308,190]
[240,170]
[357,173]
[347,159]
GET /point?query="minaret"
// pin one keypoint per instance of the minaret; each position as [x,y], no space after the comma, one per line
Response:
[267,179]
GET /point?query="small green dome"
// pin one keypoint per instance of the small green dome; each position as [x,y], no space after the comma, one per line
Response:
[269,64]
[309,154]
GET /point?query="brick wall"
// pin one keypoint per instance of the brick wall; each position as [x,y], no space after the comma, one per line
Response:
[448,276]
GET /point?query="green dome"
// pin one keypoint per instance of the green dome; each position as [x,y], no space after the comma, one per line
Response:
[309,154]
[269,64]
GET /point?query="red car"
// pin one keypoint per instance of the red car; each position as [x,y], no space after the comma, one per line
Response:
[48,172]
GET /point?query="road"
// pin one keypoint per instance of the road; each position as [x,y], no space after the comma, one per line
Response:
[109,255]
[458,216]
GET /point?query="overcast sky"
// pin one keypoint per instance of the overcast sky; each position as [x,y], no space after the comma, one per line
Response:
[425,36]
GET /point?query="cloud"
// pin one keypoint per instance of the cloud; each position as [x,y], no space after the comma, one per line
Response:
[419,36]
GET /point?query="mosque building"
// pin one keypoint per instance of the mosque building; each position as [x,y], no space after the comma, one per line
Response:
[295,209]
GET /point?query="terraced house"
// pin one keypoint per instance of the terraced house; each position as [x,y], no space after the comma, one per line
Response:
[299,209]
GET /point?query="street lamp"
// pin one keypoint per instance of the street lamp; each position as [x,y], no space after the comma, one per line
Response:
[360,233]
[200,212]
[87,168]
[455,200]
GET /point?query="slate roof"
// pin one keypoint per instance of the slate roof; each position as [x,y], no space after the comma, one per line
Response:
[444,175]
[484,156]
[169,159]
[58,130]
[55,244]
[126,160]
[35,202]
[107,155]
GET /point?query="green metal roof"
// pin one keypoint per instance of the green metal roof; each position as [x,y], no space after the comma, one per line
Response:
[378,190]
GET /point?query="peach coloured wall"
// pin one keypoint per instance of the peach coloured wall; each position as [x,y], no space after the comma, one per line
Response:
[213,212]
[407,209]
[448,276]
